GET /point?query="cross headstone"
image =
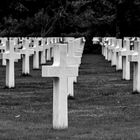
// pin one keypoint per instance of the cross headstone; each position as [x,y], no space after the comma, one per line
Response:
[135,58]
[3,48]
[124,53]
[26,53]
[10,56]
[43,53]
[105,45]
[113,52]
[118,57]
[60,71]
[49,48]
[37,48]
[79,46]
[109,54]
[74,61]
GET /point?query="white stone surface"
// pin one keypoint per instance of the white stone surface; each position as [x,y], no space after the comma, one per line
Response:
[26,53]
[113,52]
[37,48]
[79,46]
[10,56]
[74,61]
[109,47]
[60,71]
[124,53]
[135,58]
[43,53]
[67,39]
[3,48]
[106,41]
[118,57]
[49,46]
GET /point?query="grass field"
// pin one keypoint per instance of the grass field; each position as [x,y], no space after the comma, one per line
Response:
[104,107]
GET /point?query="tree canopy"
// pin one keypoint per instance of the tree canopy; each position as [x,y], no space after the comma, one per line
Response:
[70,18]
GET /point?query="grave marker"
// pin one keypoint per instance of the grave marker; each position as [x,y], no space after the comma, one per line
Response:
[113,52]
[60,71]
[26,53]
[124,53]
[106,41]
[79,46]
[118,57]
[43,53]
[37,48]
[10,56]
[3,48]
[74,61]
[135,58]
[109,55]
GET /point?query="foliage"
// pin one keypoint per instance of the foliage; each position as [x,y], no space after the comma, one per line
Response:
[69,18]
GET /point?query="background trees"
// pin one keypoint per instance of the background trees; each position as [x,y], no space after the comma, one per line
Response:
[70,18]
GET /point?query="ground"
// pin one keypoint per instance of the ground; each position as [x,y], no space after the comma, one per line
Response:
[104,107]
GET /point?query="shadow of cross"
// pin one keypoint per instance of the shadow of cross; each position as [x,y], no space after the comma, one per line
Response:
[125,63]
[11,57]
[26,53]
[60,71]
[135,58]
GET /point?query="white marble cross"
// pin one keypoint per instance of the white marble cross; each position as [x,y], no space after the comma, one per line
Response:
[3,48]
[67,39]
[118,57]
[79,46]
[109,45]
[105,50]
[103,46]
[37,48]
[50,46]
[113,52]
[124,53]
[10,56]
[135,58]
[74,61]
[43,53]
[26,53]
[60,71]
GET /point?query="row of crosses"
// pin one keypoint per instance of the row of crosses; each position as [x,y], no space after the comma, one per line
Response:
[122,52]
[66,54]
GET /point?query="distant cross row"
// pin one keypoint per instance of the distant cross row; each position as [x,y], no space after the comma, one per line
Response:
[121,52]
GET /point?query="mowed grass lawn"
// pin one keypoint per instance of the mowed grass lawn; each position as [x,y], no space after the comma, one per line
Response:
[104,107]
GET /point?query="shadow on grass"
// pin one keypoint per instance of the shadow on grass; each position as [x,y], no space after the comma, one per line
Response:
[26,75]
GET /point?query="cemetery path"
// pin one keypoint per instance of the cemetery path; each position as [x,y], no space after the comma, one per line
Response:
[104,107]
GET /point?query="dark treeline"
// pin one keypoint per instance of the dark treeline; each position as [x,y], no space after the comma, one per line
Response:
[70,18]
